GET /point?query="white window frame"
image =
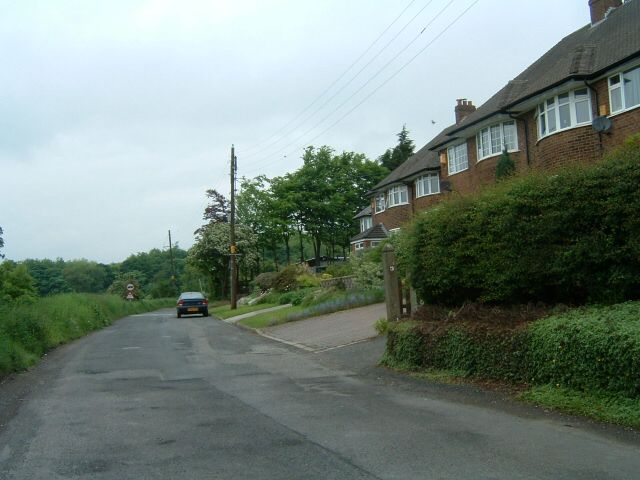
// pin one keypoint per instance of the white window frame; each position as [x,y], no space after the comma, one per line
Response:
[375,243]
[490,140]
[549,112]
[358,246]
[393,231]
[398,195]
[365,223]
[457,158]
[620,86]
[423,185]
[380,203]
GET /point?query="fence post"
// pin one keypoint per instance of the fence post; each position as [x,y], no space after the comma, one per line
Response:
[391,284]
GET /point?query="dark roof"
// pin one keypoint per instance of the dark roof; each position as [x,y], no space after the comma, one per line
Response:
[423,159]
[377,232]
[366,212]
[584,54]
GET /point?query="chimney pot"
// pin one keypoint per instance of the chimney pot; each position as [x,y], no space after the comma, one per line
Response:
[463,109]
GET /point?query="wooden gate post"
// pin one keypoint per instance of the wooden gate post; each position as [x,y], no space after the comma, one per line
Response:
[391,284]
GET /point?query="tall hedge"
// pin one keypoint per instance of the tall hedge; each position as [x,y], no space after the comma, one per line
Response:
[572,236]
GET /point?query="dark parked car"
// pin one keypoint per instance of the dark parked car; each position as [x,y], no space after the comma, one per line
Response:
[192,302]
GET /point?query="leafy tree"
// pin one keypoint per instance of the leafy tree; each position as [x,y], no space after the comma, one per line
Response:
[505,166]
[210,254]
[48,276]
[15,283]
[217,210]
[1,242]
[84,276]
[393,157]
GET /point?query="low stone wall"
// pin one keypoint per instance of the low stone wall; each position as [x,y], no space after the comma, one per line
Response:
[348,282]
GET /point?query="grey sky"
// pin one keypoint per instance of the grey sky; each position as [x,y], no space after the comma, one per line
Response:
[116,116]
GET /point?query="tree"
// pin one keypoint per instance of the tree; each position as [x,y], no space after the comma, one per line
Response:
[210,254]
[505,166]
[84,276]
[392,158]
[1,242]
[48,276]
[217,210]
[15,283]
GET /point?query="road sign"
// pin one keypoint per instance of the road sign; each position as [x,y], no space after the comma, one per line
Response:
[130,296]
[130,287]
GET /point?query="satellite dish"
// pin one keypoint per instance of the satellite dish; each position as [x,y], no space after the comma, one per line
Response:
[601,124]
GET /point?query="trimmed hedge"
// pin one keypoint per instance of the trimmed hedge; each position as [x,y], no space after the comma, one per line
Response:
[28,330]
[572,237]
[593,349]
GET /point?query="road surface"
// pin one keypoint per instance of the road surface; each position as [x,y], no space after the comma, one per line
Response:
[154,397]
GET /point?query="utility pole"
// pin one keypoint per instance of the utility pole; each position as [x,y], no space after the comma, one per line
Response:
[233,250]
[173,267]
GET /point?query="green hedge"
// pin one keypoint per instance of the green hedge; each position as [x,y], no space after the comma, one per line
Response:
[590,349]
[28,330]
[571,237]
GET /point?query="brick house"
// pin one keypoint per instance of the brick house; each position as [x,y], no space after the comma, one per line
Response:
[575,103]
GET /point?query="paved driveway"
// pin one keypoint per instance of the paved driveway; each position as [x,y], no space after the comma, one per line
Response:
[329,331]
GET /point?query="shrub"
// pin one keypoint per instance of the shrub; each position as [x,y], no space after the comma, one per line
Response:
[295,297]
[572,237]
[265,280]
[594,349]
[343,269]
[287,279]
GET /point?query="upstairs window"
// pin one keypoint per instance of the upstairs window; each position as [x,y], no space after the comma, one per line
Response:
[398,195]
[494,139]
[365,223]
[457,159]
[624,90]
[380,203]
[564,111]
[427,185]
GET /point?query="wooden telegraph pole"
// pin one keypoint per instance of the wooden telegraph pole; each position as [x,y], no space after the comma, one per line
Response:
[174,280]
[233,250]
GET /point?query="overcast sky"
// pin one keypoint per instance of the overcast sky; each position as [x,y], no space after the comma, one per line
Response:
[116,116]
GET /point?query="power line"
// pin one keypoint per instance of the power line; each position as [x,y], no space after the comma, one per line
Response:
[334,82]
[374,76]
[350,81]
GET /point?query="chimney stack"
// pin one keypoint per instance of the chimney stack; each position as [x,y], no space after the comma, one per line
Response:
[600,8]
[463,109]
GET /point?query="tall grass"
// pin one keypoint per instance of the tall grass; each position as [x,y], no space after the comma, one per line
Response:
[28,330]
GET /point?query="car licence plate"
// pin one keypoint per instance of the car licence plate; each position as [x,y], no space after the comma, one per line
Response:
[192,309]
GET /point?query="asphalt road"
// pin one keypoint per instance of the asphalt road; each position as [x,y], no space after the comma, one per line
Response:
[153,397]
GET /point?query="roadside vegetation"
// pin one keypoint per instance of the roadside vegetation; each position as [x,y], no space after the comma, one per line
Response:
[31,327]
[302,292]
[534,283]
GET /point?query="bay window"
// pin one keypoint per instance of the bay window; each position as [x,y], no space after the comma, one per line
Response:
[427,185]
[564,111]
[398,195]
[380,203]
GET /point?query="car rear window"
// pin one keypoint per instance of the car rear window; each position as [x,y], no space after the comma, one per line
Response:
[191,295]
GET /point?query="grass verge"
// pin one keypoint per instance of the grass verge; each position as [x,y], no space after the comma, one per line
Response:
[225,311]
[600,406]
[28,330]
[329,303]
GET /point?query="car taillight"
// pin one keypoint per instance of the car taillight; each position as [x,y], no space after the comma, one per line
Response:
[180,302]
[205,302]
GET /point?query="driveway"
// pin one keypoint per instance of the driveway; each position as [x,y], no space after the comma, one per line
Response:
[329,331]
